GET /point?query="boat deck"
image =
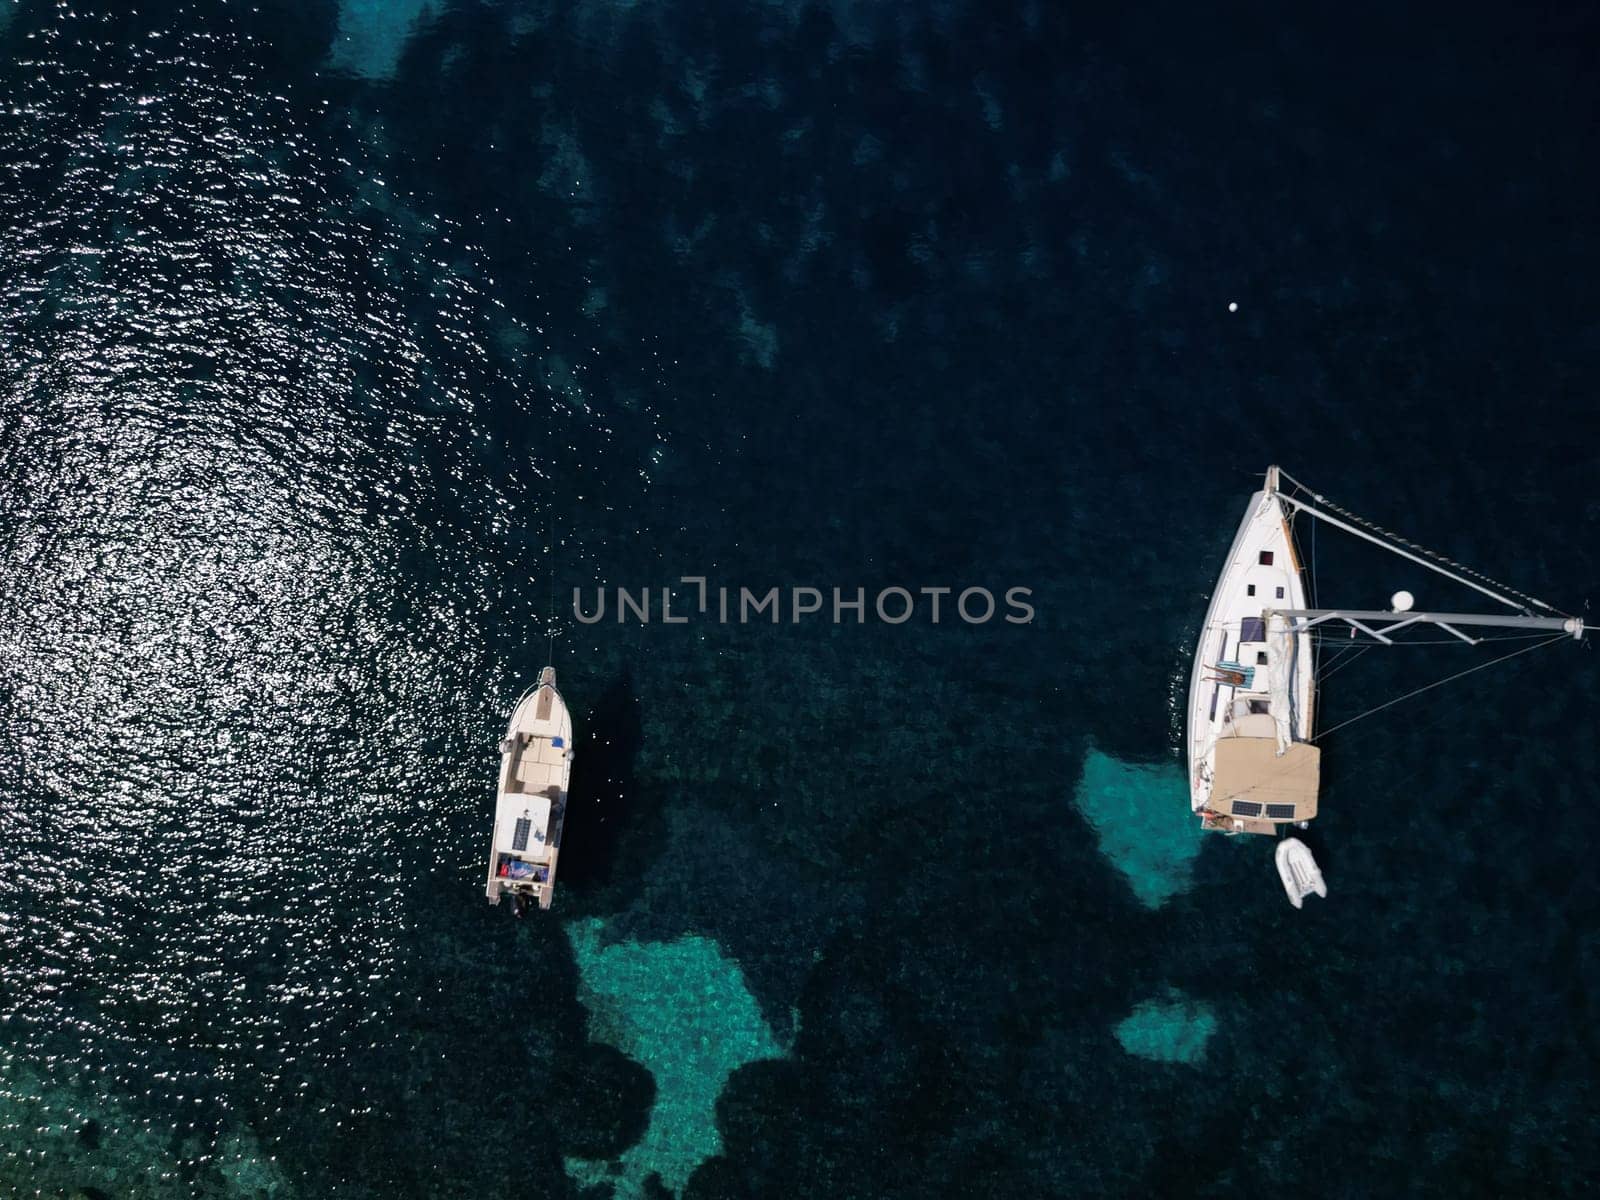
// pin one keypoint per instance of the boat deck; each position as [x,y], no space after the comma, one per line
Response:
[530,808]
[539,763]
[1229,693]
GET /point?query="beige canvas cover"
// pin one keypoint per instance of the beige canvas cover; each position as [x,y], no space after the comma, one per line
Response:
[1249,768]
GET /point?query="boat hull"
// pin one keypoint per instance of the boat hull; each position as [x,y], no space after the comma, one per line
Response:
[531,801]
[1230,692]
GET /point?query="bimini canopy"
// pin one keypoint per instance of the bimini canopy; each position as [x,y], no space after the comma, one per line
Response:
[1251,780]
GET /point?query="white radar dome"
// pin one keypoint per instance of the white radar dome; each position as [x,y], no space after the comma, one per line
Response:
[1402,601]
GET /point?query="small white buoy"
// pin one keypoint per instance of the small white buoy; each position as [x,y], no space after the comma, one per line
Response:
[1233,306]
[1402,601]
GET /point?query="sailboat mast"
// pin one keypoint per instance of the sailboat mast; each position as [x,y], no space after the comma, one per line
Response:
[1378,624]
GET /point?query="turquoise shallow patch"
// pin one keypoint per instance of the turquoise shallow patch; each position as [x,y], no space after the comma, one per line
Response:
[373,34]
[1140,813]
[682,1009]
[1174,1029]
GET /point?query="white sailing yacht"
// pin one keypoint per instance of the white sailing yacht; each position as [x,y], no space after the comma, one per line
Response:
[1253,761]
[531,805]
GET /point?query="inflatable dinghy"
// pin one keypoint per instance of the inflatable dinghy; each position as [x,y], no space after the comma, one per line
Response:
[1299,872]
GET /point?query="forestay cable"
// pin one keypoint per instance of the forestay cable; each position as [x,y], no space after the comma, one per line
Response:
[1376,533]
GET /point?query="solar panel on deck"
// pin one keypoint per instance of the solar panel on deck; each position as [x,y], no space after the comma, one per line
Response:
[1246,808]
[519,839]
[1281,812]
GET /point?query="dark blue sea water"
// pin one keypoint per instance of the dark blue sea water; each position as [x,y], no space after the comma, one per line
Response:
[340,342]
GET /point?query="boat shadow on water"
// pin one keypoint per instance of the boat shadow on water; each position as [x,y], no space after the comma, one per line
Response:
[605,800]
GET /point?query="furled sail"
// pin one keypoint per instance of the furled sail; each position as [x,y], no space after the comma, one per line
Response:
[1280,668]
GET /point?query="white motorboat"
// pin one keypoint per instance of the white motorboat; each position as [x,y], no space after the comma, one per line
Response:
[531,805]
[1299,871]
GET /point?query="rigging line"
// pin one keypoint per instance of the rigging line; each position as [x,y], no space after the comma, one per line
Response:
[1316,647]
[1328,666]
[1329,674]
[1323,668]
[1343,650]
[1410,546]
[550,594]
[1272,776]
[1314,525]
[1388,541]
[1397,643]
[1440,683]
[1342,635]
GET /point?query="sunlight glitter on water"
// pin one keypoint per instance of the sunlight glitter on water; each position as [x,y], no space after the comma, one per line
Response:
[227,696]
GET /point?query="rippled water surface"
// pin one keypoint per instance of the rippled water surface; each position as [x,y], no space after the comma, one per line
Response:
[340,343]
